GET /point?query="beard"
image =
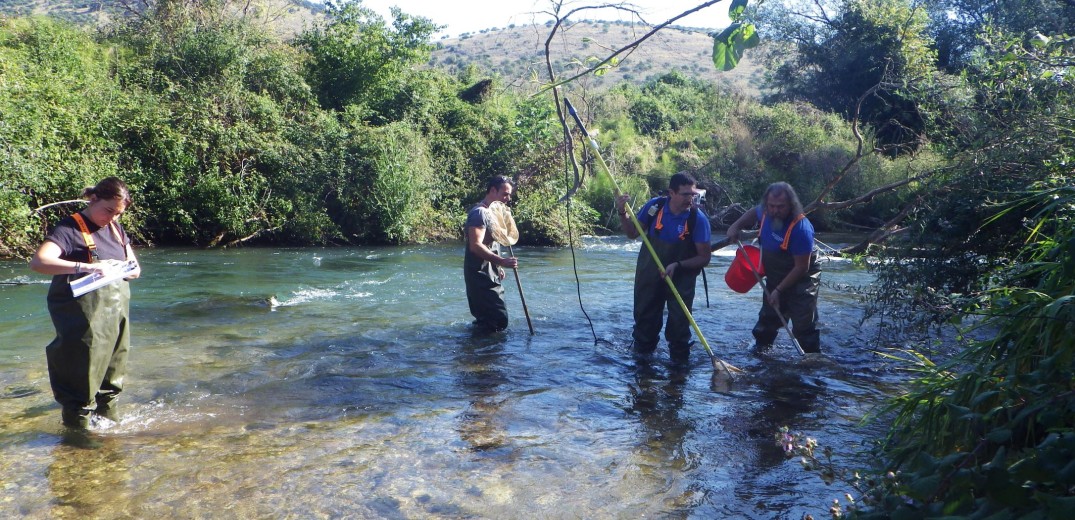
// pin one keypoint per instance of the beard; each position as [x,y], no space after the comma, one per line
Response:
[778,223]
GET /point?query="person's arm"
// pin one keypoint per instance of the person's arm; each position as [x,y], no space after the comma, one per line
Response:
[748,220]
[47,261]
[137,265]
[626,225]
[474,243]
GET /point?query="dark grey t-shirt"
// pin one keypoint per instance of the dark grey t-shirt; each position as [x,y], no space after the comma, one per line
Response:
[478,216]
[69,237]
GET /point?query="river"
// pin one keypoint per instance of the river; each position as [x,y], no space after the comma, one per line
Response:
[346,383]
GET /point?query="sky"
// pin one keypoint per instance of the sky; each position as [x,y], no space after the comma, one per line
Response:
[474,15]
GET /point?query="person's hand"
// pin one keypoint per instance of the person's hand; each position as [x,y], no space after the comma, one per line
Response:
[774,298]
[669,269]
[733,235]
[98,269]
[621,203]
[134,273]
[509,261]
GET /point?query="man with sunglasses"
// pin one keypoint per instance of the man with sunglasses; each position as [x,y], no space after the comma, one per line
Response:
[679,233]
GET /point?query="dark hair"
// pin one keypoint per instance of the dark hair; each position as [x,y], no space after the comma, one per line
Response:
[681,179]
[497,181]
[783,188]
[109,188]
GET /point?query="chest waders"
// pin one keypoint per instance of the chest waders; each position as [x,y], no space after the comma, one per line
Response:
[652,295]
[87,360]
[798,304]
[485,293]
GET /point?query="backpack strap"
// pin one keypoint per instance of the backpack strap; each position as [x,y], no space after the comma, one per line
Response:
[656,209]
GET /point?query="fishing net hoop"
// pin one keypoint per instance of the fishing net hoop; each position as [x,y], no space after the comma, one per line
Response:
[502,224]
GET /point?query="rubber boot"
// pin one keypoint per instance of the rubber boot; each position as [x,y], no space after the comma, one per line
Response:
[76,418]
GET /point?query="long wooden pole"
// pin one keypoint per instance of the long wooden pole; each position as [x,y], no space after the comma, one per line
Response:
[718,364]
[519,284]
[765,291]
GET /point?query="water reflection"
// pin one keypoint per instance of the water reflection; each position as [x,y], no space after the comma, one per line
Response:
[484,384]
[783,392]
[88,476]
[656,398]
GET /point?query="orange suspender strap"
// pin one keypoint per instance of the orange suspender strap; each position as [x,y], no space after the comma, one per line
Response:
[787,234]
[90,245]
[88,237]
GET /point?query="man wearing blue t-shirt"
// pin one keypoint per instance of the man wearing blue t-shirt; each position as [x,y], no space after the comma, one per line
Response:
[679,233]
[792,272]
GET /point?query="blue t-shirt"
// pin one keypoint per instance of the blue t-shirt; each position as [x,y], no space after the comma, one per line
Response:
[672,225]
[802,236]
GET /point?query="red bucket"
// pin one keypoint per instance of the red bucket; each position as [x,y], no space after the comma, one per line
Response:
[740,277]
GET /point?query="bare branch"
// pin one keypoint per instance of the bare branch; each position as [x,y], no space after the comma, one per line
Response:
[554,85]
[72,201]
[886,230]
[250,237]
[868,196]
[630,47]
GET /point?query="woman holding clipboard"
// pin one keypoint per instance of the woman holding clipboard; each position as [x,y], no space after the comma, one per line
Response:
[88,359]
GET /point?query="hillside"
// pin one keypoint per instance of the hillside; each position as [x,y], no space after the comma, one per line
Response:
[283,17]
[516,53]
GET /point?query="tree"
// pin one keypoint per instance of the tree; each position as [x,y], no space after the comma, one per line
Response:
[356,58]
[845,50]
[957,24]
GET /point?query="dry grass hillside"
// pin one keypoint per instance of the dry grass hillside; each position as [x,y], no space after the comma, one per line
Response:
[283,17]
[517,55]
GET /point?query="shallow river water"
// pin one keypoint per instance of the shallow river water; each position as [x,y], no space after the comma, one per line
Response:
[362,393]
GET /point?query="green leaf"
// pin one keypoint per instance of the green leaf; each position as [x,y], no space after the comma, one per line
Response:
[735,11]
[999,436]
[925,486]
[729,45]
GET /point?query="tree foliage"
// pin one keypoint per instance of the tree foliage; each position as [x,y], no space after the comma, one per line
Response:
[844,51]
[355,58]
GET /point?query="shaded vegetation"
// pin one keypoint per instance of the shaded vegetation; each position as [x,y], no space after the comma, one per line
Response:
[230,135]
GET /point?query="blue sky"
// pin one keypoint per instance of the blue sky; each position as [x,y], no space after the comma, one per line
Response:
[474,15]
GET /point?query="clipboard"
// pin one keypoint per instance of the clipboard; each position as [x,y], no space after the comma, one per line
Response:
[94,281]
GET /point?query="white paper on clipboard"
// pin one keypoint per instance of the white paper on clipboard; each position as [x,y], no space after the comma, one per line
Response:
[95,281]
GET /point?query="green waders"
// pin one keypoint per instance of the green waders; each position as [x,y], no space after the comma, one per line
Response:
[798,305]
[652,295]
[485,293]
[88,359]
